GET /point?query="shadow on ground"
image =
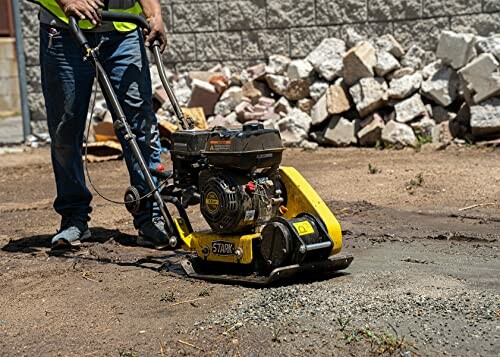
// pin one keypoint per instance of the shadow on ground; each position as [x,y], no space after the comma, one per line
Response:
[38,243]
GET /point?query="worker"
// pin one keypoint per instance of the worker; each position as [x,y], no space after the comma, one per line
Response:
[67,82]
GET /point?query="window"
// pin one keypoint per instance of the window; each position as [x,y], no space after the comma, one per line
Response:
[6,21]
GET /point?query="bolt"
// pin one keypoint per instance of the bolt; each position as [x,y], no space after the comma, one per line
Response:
[173,242]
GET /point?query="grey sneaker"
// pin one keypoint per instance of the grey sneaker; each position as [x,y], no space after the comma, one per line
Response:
[152,234]
[69,237]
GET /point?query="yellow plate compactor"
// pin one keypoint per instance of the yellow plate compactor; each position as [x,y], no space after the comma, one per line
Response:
[266,222]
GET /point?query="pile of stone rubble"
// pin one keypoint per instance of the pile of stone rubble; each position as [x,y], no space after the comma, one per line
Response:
[375,93]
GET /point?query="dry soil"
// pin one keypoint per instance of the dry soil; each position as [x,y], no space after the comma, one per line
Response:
[424,229]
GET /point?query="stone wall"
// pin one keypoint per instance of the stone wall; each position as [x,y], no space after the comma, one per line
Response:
[242,32]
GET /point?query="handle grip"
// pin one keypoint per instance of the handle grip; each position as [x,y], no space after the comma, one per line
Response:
[106,16]
[77,33]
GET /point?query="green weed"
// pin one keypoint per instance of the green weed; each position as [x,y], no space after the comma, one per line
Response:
[168,297]
[380,343]
[372,169]
[414,183]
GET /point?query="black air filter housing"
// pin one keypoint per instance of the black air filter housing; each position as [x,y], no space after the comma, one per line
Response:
[186,156]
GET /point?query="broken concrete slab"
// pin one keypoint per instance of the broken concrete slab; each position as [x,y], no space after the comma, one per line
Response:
[482,77]
[241,109]
[359,62]
[250,90]
[308,145]
[300,69]
[277,83]
[203,95]
[182,88]
[278,64]
[417,58]
[201,75]
[270,124]
[429,70]
[410,109]
[229,122]
[442,86]
[266,102]
[441,135]
[403,87]
[319,112]
[256,72]
[317,89]
[405,71]
[369,95]
[337,100]
[456,49]
[424,126]
[340,132]
[327,58]
[371,133]
[485,118]
[353,37]
[386,63]
[306,105]
[282,106]
[489,45]
[297,89]
[331,69]
[300,119]
[229,100]
[294,128]
[389,44]
[259,115]
[398,135]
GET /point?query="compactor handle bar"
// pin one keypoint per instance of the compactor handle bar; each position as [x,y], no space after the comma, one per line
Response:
[109,16]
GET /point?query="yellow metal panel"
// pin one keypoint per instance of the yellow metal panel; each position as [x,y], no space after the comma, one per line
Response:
[303,228]
[198,240]
[301,197]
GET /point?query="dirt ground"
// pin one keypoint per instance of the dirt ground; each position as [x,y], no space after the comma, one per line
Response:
[424,229]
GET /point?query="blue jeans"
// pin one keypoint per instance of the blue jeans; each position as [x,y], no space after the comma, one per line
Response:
[67,83]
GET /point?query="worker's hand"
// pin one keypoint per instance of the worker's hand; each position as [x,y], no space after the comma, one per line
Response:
[82,9]
[157,32]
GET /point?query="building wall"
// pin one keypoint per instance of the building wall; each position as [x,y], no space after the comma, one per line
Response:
[9,87]
[240,32]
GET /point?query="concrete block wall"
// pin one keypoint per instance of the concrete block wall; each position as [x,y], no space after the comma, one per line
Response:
[241,32]
[9,87]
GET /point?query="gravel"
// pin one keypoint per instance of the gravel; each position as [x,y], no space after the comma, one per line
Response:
[442,313]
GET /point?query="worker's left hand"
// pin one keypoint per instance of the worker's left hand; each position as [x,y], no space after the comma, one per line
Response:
[157,32]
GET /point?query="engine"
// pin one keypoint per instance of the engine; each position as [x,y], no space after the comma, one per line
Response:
[232,202]
[234,172]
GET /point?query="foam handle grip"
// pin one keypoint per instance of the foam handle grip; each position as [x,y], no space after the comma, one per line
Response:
[77,33]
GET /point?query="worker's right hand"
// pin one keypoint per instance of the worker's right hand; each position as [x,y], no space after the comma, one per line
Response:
[82,9]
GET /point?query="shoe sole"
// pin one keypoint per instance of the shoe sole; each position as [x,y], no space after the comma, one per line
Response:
[65,244]
[143,242]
